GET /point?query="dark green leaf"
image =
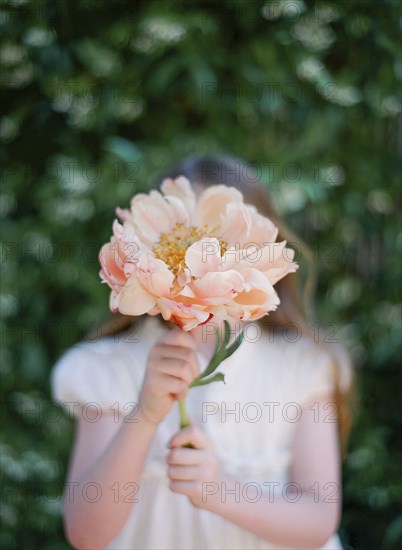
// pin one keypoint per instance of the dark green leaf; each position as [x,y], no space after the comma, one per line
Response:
[218,377]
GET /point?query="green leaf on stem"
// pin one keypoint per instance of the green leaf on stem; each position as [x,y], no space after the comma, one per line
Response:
[218,357]
[227,333]
[218,377]
[221,353]
[233,347]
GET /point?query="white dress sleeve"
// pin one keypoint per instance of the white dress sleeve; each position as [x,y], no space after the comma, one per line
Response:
[99,376]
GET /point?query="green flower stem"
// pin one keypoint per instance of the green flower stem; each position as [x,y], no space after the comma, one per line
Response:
[222,352]
[184,420]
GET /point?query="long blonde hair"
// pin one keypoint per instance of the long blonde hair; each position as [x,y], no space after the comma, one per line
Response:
[297,298]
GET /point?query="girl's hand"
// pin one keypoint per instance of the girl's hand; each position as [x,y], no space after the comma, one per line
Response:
[190,469]
[171,367]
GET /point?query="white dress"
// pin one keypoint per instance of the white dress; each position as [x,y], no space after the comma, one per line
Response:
[252,420]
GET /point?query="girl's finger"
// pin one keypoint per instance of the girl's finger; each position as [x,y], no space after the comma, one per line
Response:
[184,359]
[178,368]
[183,473]
[172,350]
[182,487]
[172,385]
[184,354]
[184,456]
[180,337]
[191,434]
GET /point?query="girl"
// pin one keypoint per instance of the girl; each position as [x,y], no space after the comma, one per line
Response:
[259,465]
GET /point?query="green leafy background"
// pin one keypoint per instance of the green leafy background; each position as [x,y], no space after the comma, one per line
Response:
[98,97]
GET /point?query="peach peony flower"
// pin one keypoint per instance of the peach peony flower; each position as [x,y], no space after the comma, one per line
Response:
[190,259]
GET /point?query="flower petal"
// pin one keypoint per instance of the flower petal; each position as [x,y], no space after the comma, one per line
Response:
[217,288]
[212,204]
[203,256]
[235,224]
[185,316]
[259,297]
[134,298]
[154,275]
[151,216]
[237,284]
[262,229]
[112,264]
[181,188]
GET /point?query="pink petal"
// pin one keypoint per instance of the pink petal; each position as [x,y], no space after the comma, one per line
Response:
[151,217]
[217,288]
[186,317]
[275,260]
[203,256]
[212,204]
[184,277]
[260,296]
[154,275]
[181,188]
[134,298]
[262,229]
[235,224]
[265,256]
[180,211]
[111,262]
[114,300]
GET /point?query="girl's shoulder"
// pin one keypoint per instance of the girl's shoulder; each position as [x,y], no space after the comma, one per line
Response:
[128,344]
[306,365]
[104,370]
[291,341]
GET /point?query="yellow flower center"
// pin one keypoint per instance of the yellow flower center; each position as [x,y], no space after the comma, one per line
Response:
[172,247]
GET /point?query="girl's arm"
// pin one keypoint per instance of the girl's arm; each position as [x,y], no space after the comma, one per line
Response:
[308,521]
[108,457]
[103,478]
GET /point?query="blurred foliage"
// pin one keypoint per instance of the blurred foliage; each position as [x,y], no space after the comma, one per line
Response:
[102,95]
